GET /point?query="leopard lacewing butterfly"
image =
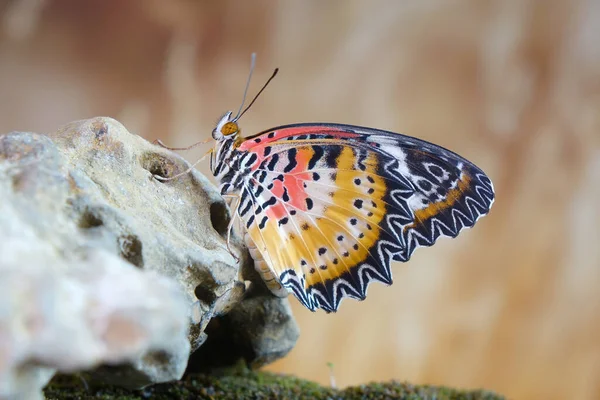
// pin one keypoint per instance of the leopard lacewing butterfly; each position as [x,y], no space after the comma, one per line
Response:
[327,207]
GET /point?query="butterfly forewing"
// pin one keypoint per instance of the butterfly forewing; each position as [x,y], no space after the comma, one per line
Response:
[330,206]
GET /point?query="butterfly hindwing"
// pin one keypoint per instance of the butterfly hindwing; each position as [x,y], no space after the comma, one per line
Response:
[330,206]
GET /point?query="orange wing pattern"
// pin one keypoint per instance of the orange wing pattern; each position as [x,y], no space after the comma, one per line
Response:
[328,206]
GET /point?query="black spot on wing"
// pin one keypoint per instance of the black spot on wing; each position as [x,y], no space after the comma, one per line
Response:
[283,221]
[309,203]
[252,158]
[272,200]
[333,152]
[246,208]
[292,161]
[285,196]
[362,157]
[263,222]
[318,154]
[272,162]
[436,171]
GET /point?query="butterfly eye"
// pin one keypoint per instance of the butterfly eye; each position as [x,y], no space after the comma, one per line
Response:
[229,128]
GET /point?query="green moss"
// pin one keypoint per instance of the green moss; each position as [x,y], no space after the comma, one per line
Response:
[242,383]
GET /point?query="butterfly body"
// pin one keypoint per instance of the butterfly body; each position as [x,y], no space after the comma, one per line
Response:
[327,207]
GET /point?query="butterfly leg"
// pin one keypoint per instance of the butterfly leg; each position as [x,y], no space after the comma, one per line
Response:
[163,179]
[164,146]
[237,199]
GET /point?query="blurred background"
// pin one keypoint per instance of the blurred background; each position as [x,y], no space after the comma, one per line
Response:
[512,305]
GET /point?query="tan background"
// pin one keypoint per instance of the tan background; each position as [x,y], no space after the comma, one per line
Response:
[514,85]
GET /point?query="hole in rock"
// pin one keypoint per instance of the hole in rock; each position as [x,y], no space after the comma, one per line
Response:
[224,346]
[18,181]
[205,283]
[158,164]
[131,250]
[204,294]
[157,358]
[90,219]
[99,128]
[219,217]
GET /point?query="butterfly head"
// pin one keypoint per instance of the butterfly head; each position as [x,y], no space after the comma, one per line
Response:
[226,129]
[227,137]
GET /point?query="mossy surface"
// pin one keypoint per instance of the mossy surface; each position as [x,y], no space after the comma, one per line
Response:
[242,383]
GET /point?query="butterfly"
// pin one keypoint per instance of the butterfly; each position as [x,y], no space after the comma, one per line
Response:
[326,207]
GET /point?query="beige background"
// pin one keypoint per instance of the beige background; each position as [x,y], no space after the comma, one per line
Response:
[514,85]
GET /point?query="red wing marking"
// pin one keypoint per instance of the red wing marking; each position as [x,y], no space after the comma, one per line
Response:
[293,183]
[252,143]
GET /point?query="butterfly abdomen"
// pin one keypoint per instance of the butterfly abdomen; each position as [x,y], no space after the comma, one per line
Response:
[271,280]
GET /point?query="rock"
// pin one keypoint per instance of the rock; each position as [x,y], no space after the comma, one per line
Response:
[260,330]
[266,327]
[104,265]
[67,301]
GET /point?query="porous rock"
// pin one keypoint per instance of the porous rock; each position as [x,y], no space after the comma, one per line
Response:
[104,265]
[259,330]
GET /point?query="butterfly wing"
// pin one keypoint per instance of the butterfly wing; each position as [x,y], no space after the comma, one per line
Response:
[330,206]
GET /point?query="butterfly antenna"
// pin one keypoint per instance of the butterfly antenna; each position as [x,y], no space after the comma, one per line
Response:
[258,94]
[252,64]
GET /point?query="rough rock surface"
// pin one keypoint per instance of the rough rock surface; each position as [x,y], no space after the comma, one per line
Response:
[103,265]
[260,329]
